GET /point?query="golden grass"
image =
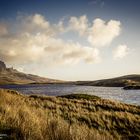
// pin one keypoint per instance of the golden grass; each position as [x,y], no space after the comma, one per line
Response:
[62,118]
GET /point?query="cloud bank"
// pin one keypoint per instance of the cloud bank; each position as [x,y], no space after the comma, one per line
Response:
[37,40]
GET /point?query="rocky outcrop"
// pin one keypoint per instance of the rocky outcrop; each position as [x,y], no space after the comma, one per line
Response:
[2,66]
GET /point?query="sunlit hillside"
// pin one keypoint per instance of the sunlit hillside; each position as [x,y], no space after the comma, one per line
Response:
[71,117]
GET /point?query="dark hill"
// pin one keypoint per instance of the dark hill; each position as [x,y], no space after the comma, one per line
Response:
[114,82]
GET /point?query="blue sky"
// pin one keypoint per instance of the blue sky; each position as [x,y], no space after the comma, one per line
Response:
[71,39]
[53,8]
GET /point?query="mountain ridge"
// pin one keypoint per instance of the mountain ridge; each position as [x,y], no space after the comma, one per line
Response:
[13,76]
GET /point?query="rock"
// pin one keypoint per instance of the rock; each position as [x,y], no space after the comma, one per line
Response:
[2,66]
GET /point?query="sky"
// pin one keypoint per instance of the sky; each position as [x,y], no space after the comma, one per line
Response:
[71,39]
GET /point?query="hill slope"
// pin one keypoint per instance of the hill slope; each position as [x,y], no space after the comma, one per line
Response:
[71,117]
[12,76]
[114,82]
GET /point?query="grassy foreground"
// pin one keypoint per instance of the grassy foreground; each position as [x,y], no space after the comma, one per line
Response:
[72,117]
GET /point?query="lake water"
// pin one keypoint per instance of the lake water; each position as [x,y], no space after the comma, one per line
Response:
[115,93]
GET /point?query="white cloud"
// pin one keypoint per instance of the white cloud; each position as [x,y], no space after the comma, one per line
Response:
[35,22]
[70,52]
[38,24]
[102,33]
[79,24]
[46,26]
[98,34]
[121,51]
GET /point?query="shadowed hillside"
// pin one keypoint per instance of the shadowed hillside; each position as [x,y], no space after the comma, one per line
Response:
[114,82]
[71,117]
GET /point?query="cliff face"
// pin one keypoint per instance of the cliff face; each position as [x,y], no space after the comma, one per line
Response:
[13,76]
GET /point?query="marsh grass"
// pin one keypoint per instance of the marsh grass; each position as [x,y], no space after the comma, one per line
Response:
[71,117]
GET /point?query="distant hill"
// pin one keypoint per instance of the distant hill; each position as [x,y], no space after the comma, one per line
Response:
[13,76]
[114,82]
